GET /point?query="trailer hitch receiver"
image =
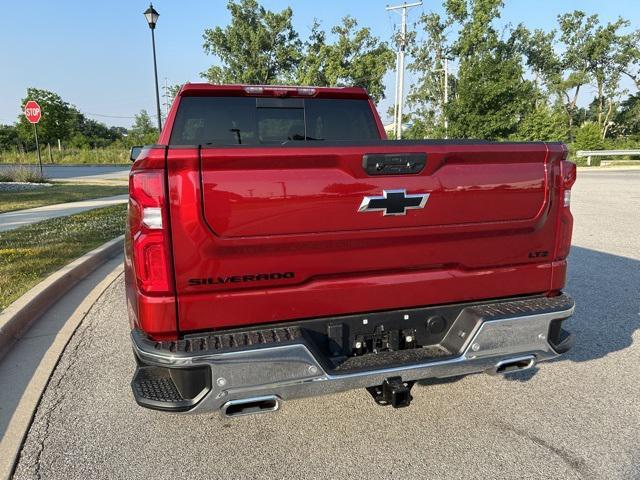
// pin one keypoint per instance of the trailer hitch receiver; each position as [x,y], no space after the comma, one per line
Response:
[393,391]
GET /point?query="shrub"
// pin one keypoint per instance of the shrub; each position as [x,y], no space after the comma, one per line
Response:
[22,174]
[543,124]
[116,155]
[587,137]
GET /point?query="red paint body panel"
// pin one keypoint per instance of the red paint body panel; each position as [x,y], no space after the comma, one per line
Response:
[489,228]
[276,191]
[472,241]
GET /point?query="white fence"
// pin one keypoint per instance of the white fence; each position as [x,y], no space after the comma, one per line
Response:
[605,153]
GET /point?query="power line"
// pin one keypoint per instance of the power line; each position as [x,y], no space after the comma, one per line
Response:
[114,116]
[105,115]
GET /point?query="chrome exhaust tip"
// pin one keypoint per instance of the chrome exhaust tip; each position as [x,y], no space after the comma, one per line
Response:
[512,365]
[250,406]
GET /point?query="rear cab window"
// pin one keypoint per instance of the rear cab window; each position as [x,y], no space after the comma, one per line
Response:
[211,121]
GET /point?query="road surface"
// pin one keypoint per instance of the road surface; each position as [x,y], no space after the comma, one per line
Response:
[578,417]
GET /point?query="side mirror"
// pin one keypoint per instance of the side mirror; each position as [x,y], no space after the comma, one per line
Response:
[135,152]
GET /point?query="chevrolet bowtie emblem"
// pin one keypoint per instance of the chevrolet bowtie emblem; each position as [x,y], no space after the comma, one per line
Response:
[393,202]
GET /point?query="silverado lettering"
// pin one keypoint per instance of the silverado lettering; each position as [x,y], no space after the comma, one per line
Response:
[413,259]
[240,278]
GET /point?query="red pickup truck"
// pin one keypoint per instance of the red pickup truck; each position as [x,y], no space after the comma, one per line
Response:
[279,246]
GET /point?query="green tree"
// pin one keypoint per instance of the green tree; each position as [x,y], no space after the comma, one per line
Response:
[63,121]
[538,49]
[587,137]
[543,124]
[426,97]
[632,50]
[356,57]
[261,47]
[627,120]
[602,52]
[258,46]
[490,95]
[91,133]
[56,120]
[592,53]
[8,137]
[311,69]
[142,132]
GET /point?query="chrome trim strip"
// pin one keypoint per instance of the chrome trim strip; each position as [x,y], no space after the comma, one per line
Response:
[292,371]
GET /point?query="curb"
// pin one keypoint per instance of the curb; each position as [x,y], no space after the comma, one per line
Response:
[12,442]
[17,317]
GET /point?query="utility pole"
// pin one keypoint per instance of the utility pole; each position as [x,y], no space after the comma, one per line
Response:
[166,99]
[446,96]
[400,65]
[395,99]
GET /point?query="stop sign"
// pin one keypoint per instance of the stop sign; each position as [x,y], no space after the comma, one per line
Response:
[32,111]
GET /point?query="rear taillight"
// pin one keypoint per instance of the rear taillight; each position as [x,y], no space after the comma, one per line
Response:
[148,230]
[568,175]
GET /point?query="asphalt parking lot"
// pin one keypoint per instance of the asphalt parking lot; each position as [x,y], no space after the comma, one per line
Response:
[578,417]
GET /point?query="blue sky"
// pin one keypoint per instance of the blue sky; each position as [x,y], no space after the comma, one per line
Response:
[97,55]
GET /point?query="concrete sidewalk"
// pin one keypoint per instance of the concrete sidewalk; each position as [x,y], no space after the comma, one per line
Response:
[20,218]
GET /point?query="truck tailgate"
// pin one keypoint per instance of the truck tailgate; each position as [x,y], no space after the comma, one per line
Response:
[265,234]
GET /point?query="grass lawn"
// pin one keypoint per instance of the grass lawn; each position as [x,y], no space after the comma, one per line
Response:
[28,254]
[57,193]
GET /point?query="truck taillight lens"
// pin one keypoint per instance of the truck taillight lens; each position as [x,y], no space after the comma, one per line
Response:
[149,236]
[568,174]
[152,218]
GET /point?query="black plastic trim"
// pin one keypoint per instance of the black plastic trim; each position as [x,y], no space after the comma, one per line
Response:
[170,389]
[393,163]
[560,339]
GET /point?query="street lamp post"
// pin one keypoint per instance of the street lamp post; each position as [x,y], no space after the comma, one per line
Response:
[152,18]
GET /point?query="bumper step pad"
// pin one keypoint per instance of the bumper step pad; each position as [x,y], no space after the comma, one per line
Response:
[224,342]
[532,306]
[390,359]
[157,387]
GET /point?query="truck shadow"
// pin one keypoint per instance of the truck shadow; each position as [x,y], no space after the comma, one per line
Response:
[606,289]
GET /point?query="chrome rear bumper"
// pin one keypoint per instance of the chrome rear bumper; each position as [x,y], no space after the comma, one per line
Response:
[291,371]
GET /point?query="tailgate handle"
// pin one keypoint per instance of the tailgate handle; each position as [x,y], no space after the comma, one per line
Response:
[393,163]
